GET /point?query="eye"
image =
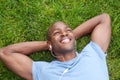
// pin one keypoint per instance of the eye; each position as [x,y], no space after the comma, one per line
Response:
[56,33]
[69,30]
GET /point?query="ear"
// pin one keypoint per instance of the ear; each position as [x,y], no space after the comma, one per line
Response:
[49,45]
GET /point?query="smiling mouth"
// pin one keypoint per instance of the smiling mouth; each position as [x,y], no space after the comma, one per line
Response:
[65,40]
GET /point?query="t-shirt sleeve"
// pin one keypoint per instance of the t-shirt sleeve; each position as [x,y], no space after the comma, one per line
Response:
[94,49]
[37,67]
[34,70]
[93,62]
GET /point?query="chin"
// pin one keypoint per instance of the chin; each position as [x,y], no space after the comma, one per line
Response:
[67,49]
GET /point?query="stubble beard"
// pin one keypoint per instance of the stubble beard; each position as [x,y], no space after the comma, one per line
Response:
[67,49]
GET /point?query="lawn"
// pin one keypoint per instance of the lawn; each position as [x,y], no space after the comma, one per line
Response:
[28,20]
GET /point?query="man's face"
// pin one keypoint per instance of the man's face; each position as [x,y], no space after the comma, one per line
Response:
[62,38]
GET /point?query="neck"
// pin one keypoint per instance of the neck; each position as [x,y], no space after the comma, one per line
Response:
[66,57]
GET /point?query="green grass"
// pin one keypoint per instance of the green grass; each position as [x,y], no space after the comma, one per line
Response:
[28,20]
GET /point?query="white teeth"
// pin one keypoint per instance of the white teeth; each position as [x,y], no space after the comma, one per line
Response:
[65,41]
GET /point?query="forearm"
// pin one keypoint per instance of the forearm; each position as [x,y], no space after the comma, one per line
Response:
[25,48]
[89,25]
[14,57]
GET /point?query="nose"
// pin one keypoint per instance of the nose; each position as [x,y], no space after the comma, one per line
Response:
[64,33]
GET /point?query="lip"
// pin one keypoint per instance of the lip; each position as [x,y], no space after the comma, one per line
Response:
[65,40]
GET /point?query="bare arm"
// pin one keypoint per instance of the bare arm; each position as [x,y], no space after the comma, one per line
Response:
[100,29]
[16,59]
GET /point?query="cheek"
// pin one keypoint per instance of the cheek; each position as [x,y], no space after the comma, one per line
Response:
[55,38]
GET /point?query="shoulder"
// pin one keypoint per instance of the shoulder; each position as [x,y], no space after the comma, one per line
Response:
[39,63]
[93,49]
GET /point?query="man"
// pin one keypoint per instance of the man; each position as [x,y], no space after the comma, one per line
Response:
[90,64]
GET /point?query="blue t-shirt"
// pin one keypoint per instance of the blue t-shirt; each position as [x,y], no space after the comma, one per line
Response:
[90,64]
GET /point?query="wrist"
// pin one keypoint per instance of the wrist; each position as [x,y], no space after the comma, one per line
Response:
[46,45]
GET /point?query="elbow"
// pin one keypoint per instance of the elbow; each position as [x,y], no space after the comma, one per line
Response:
[1,53]
[107,22]
[5,51]
[106,18]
